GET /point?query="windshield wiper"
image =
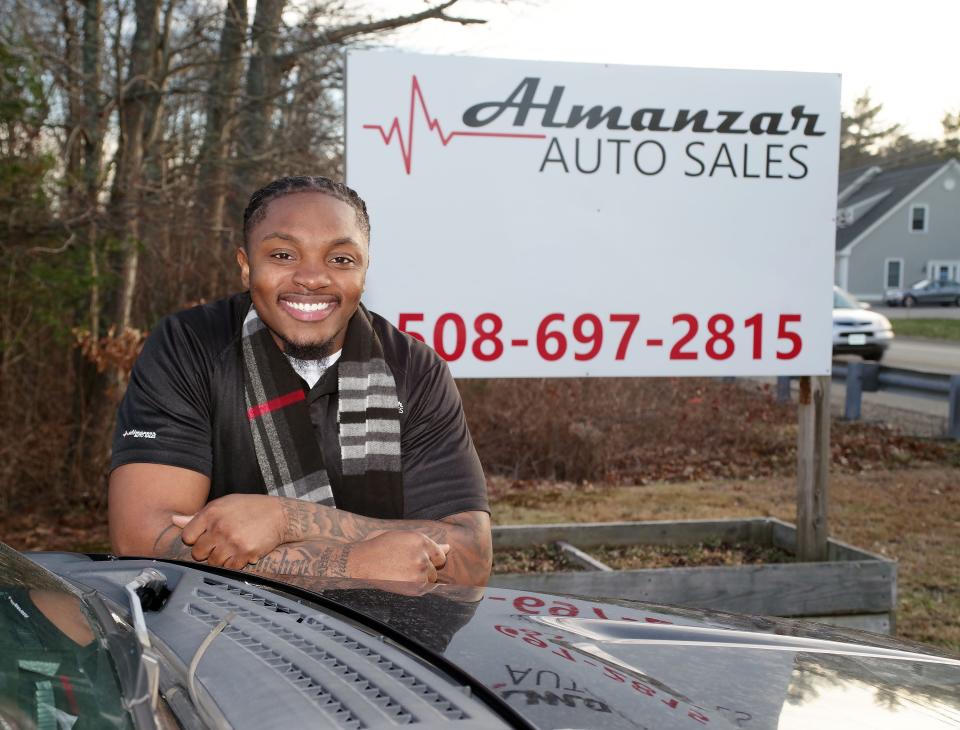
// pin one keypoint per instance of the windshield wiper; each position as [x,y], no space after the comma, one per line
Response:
[147,587]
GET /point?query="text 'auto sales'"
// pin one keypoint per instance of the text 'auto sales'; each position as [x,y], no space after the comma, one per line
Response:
[745,159]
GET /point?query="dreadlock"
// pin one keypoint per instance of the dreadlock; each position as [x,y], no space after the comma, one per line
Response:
[256,209]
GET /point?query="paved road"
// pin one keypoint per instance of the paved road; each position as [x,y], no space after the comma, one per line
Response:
[935,357]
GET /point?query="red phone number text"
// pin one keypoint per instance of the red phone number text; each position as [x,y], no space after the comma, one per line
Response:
[450,336]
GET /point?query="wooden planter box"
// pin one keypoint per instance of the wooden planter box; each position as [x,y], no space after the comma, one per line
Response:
[852,587]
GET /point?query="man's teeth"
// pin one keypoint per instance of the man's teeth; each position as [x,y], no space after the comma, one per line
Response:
[305,307]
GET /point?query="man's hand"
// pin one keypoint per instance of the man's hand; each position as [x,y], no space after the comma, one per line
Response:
[406,556]
[235,530]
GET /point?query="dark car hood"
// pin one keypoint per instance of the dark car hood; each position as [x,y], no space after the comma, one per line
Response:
[566,662]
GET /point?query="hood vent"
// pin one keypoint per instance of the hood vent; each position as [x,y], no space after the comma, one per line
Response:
[308,685]
[298,645]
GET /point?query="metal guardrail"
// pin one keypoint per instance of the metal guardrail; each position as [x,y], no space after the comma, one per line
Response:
[868,377]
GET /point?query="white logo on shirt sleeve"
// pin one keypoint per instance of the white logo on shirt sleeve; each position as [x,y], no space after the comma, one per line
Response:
[137,434]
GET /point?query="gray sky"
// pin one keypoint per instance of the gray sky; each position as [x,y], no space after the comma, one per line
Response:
[906,53]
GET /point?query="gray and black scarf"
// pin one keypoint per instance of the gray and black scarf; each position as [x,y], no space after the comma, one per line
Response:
[289,455]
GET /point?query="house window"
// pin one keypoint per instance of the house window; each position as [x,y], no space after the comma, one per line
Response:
[919,215]
[894,273]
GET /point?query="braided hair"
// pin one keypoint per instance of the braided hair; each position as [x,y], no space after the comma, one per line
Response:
[256,209]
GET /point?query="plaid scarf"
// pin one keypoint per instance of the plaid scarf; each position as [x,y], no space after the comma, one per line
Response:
[290,458]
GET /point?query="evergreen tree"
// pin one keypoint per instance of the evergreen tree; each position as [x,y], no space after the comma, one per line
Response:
[950,144]
[863,134]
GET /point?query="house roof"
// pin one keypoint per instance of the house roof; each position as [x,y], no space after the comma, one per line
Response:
[889,187]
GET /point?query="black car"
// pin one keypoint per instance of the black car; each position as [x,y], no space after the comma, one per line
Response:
[92,641]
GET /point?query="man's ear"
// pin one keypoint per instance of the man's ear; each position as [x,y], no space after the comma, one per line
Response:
[244,264]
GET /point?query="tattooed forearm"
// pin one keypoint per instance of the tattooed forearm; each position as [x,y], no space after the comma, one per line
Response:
[308,520]
[297,519]
[342,561]
[311,558]
[468,534]
[169,545]
[471,554]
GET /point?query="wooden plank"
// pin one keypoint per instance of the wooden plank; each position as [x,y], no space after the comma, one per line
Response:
[658,532]
[813,462]
[784,536]
[581,558]
[787,589]
[878,623]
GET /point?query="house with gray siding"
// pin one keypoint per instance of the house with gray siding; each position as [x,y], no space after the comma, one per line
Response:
[896,226]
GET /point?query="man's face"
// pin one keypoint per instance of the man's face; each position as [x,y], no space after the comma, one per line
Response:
[305,265]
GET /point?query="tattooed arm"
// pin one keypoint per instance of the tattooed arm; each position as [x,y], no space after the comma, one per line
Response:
[251,525]
[393,556]
[467,533]
[142,498]
[247,528]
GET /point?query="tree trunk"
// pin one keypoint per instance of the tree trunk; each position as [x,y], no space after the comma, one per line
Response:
[263,82]
[127,190]
[72,153]
[220,105]
[92,144]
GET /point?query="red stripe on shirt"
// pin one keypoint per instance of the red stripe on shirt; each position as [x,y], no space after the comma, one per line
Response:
[68,691]
[271,405]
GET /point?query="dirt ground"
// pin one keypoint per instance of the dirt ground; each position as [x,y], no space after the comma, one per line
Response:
[910,515]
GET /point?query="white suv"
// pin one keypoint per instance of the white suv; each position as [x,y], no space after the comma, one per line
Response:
[857,330]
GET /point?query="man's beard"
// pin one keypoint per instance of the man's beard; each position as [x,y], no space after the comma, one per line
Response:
[306,351]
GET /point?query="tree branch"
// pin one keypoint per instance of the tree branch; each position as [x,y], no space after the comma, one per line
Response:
[286,61]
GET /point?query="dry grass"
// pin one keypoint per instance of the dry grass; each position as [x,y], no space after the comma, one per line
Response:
[647,430]
[911,515]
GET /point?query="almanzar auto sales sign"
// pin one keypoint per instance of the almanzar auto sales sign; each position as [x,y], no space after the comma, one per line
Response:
[551,219]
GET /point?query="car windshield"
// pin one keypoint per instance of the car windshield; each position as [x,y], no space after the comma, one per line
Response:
[922,284]
[844,300]
[54,669]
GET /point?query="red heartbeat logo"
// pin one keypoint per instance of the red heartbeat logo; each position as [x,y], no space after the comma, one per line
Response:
[406,142]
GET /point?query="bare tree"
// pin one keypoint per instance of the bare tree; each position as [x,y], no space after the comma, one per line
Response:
[135,108]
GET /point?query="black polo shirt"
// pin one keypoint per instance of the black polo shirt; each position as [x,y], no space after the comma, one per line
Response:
[185,407]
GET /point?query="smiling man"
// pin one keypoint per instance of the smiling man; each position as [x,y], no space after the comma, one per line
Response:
[289,430]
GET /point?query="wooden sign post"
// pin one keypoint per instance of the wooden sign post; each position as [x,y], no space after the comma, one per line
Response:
[813,467]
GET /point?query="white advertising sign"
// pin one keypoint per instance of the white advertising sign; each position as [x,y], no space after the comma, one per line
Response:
[551,219]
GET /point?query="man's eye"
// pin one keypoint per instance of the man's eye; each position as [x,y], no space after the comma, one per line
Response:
[342,260]
[282,255]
